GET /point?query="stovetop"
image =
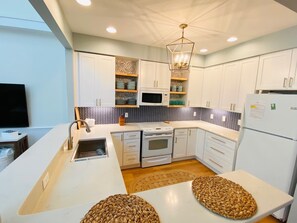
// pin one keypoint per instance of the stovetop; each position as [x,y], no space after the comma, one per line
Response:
[156,127]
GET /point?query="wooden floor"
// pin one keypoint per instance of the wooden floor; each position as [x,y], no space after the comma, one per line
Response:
[190,165]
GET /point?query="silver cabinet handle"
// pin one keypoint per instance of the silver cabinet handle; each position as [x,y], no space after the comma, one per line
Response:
[217,150]
[157,83]
[291,82]
[175,140]
[230,107]
[285,82]
[190,132]
[219,140]
[234,107]
[122,136]
[133,146]
[215,163]
[188,103]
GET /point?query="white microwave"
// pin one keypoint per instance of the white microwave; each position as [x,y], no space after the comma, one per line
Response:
[155,98]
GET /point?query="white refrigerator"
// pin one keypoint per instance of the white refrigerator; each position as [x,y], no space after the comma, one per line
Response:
[268,141]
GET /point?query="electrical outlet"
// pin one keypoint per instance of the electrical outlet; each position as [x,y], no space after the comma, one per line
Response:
[45,180]
[239,122]
[126,114]
[194,114]
[223,118]
[211,116]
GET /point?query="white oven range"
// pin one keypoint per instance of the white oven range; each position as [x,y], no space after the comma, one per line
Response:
[156,146]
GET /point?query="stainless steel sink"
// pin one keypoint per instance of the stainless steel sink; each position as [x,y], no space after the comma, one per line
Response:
[90,149]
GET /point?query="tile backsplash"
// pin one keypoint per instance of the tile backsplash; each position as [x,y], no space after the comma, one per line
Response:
[159,114]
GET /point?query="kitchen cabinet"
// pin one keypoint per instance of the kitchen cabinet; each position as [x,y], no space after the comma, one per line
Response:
[211,86]
[185,143]
[200,144]
[95,80]
[154,75]
[195,86]
[239,79]
[277,71]
[127,70]
[127,146]
[219,153]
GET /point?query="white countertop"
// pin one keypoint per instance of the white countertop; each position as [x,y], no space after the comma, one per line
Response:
[176,203]
[66,198]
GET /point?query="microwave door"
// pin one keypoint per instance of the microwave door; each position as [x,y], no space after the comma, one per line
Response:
[154,98]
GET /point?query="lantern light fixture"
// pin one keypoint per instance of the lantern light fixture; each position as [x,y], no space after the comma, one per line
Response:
[179,52]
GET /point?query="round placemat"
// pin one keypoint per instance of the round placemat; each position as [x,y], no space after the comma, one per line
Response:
[122,208]
[224,197]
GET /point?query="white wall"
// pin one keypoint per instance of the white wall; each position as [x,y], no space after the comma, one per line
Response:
[36,59]
[121,48]
[277,41]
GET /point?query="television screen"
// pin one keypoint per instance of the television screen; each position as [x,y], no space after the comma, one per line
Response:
[13,106]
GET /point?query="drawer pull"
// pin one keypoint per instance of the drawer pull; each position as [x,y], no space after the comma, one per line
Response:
[217,150]
[215,163]
[133,146]
[218,140]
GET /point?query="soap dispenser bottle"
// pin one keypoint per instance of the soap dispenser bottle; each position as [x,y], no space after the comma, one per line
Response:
[122,120]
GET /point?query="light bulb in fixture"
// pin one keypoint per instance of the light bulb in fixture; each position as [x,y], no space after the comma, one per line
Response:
[232,39]
[111,29]
[204,50]
[84,2]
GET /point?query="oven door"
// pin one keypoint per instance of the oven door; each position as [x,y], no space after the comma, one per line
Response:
[156,145]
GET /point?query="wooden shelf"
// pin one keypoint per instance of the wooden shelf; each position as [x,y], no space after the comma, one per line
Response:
[126,106]
[176,106]
[179,79]
[177,92]
[126,91]
[126,75]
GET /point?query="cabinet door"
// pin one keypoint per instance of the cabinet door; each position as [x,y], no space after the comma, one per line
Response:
[86,66]
[200,143]
[117,139]
[274,70]
[163,75]
[248,78]
[180,146]
[230,85]
[211,86]
[105,81]
[195,85]
[147,74]
[192,142]
[293,71]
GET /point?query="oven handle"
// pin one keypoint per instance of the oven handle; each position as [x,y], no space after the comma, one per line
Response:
[157,136]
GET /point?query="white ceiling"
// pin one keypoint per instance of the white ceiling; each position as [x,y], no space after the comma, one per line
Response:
[156,22]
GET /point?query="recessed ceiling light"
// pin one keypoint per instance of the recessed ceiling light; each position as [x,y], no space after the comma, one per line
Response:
[84,2]
[203,50]
[232,39]
[111,29]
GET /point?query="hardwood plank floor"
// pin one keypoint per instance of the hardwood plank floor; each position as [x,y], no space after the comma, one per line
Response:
[194,166]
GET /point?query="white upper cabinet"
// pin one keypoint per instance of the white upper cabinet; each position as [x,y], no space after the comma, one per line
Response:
[95,80]
[277,71]
[239,79]
[154,75]
[195,85]
[211,86]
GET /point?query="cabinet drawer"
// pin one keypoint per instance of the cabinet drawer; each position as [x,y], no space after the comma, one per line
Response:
[131,158]
[220,140]
[180,132]
[217,163]
[220,151]
[132,145]
[131,135]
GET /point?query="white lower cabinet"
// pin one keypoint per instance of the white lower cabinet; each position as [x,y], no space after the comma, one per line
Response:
[127,146]
[219,153]
[185,142]
[200,144]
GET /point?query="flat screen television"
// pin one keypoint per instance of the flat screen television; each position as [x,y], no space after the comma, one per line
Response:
[13,106]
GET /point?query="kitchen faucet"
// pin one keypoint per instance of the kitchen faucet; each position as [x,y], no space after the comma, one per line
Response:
[70,143]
